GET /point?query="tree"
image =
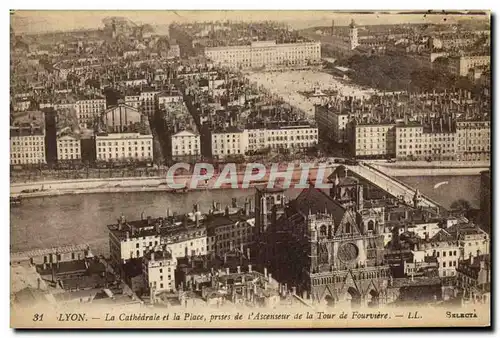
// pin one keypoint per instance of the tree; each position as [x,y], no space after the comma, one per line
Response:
[461,204]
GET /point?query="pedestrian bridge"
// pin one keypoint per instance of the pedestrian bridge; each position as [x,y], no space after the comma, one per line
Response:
[392,186]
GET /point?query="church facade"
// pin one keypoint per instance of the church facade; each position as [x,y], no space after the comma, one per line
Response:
[329,244]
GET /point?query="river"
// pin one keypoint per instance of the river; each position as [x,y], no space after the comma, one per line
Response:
[72,219]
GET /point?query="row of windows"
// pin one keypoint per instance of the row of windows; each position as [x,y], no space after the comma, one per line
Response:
[27,143]
[123,149]
[27,155]
[26,149]
[123,143]
[24,161]
[69,157]
[110,155]
[71,150]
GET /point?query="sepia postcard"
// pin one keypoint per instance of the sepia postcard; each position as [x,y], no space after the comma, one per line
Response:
[250,169]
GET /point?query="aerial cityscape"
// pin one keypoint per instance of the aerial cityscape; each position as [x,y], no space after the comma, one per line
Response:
[250,164]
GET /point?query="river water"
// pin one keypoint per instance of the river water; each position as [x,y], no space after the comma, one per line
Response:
[72,219]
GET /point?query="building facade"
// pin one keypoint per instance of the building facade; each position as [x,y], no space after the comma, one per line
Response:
[124,146]
[461,65]
[185,143]
[473,140]
[231,141]
[89,110]
[27,139]
[331,124]
[265,54]
[69,148]
[159,271]
[372,140]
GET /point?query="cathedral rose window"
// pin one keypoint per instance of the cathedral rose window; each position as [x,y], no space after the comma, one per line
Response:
[348,252]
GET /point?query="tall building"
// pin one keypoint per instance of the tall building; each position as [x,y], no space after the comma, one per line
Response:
[353,35]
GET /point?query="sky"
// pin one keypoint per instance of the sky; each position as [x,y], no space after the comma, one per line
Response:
[46,21]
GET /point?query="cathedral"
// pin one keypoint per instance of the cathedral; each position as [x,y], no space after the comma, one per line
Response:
[329,244]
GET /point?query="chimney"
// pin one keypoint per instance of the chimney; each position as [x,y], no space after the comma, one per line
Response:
[294,290]
[269,276]
[238,269]
[265,272]
[227,271]
[227,211]
[197,218]
[249,267]
[248,253]
[128,235]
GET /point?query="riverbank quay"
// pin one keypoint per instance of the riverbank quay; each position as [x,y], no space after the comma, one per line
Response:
[456,171]
[424,168]
[151,184]
[159,183]
[430,165]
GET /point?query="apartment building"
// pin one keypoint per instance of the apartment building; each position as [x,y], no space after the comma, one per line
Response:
[230,232]
[230,141]
[27,138]
[332,124]
[473,140]
[461,65]
[414,141]
[291,137]
[265,54]
[148,101]
[134,239]
[88,110]
[159,271]
[185,143]
[372,140]
[135,146]
[124,134]
[69,147]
